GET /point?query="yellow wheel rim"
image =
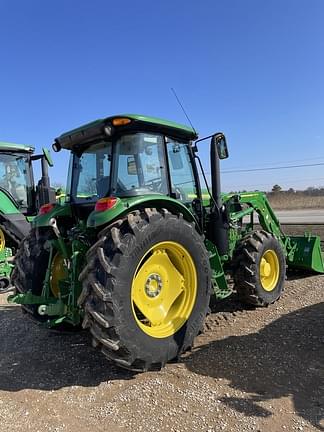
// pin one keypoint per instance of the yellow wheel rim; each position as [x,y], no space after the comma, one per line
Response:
[164,289]
[269,270]
[58,273]
[2,240]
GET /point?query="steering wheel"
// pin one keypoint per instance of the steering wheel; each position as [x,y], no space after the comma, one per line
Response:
[155,184]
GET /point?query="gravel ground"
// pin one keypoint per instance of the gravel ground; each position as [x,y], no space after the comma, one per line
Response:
[252,370]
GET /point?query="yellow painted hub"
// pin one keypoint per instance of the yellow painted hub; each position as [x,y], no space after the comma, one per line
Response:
[164,289]
[2,240]
[269,270]
[58,272]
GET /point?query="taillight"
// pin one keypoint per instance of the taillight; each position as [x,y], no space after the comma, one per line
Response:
[46,208]
[105,204]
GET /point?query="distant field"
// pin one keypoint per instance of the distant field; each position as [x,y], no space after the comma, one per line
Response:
[284,201]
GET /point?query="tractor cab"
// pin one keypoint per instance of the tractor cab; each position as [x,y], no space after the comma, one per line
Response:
[19,199]
[130,157]
[17,180]
[16,175]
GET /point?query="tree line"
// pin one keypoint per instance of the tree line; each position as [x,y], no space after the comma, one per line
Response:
[310,191]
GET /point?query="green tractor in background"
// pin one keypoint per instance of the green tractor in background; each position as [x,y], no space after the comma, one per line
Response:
[136,250]
[20,200]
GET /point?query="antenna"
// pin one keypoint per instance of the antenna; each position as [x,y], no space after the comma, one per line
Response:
[184,111]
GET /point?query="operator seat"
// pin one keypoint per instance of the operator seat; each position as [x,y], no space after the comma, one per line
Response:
[102,186]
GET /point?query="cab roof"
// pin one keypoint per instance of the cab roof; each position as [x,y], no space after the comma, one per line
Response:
[95,129]
[7,146]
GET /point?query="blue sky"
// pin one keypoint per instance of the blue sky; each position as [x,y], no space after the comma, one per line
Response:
[252,69]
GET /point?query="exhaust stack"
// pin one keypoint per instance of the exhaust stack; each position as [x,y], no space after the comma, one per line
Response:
[218,216]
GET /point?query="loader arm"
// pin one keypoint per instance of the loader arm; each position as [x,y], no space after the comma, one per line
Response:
[267,218]
[301,251]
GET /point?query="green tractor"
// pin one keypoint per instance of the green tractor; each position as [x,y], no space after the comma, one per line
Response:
[137,249]
[19,200]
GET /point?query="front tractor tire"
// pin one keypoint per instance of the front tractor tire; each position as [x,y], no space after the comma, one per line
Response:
[261,269]
[146,289]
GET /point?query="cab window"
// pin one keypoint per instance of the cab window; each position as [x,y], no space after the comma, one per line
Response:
[182,179]
[140,165]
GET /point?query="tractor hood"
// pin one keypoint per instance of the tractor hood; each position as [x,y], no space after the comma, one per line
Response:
[107,127]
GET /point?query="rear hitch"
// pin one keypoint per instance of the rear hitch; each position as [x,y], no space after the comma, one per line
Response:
[53,309]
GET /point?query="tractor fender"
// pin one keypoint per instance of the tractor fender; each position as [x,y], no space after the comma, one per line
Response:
[12,222]
[97,219]
[15,225]
[7,205]
[58,210]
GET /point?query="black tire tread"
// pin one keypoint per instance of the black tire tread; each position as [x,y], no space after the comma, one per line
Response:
[97,298]
[246,274]
[30,266]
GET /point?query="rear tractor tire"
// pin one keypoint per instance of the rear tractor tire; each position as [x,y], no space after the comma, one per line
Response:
[261,269]
[146,289]
[31,263]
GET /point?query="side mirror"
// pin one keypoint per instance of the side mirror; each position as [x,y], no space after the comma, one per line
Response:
[221,145]
[48,157]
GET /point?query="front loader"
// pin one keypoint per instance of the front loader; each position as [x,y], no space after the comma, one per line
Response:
[20,200]
[136,250]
